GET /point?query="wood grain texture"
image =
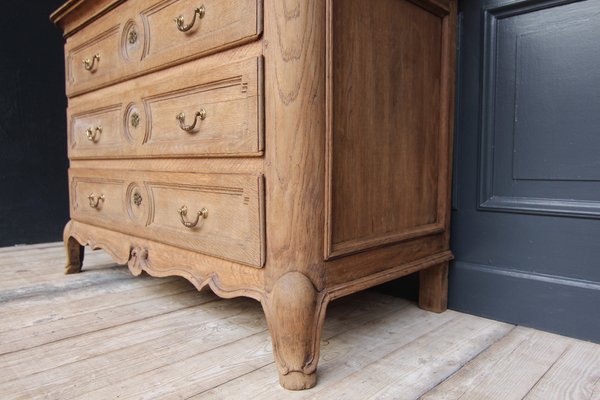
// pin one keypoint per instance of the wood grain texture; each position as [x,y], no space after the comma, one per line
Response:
[103,334]
[376,261]
[233,228]
[433,288]
[26,312]
[159,42]
[507,370]
[294,45]
[227,279]
[410,370]
[575,375]
[74,15]
[295,314]
[231,96]
[59,330]
[251,166]
[331,178]
[349,321]
[352,286]
[177,338]
[387,141]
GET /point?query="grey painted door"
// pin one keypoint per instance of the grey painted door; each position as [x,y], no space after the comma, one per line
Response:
[526,203]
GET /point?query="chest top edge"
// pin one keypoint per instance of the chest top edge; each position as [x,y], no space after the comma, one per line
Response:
[74,15]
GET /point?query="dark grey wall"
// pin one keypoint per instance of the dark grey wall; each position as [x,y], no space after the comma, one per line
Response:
[33,162]
[526,227]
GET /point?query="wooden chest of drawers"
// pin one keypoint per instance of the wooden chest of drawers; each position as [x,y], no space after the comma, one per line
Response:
[290,151]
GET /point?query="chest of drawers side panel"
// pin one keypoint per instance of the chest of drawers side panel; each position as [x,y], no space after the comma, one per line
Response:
[387,135]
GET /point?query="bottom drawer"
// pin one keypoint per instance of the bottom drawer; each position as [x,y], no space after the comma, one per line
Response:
[216,214]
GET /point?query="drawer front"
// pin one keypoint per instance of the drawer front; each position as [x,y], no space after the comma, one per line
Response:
[96,129]
[97,200]
[94,60]
[141,36]
[181,112]
[215,214]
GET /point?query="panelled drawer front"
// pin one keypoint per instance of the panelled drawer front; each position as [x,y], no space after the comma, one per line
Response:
[96,129]
[140,36]
[97,200]
[94,60]
[216,214]
[154,116]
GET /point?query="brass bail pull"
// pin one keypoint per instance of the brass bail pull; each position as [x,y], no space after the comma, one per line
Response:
[189,224]
[182,26]
[95,201]
[190,128]
[92,134]
[90,64]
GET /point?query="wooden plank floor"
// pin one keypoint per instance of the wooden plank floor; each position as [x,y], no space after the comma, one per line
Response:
[104,334]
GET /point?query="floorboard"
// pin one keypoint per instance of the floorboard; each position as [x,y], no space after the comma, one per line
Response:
[104,334]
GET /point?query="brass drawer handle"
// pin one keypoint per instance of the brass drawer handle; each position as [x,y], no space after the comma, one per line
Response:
[89,64]
[92,134]
[188,224]
[198,12]
[190,128]
[95,201]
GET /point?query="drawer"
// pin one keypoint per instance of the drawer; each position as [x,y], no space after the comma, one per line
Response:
[182,112]
[97,200]
[93,61]
[216,214]
[96,129]
[141,36]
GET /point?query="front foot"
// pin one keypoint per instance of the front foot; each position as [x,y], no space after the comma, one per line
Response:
[295,313]
[297,380]
[75,252]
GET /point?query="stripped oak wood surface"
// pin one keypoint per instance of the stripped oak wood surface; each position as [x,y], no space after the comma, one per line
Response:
[104,334]
[131,69]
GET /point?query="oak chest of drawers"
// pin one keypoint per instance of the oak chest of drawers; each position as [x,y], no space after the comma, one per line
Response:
[290,151]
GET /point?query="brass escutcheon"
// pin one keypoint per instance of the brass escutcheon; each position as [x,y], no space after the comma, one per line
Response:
[135,119]
[137,199]
[132,37]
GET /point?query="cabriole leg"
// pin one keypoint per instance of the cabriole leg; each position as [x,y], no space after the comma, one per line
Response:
[295,312]
[75,253]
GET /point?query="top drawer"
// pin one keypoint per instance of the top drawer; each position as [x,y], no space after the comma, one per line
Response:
[141,36]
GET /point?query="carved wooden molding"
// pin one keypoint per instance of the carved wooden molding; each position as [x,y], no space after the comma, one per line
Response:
[154,54]
[294,308]
[78,52]
[108,113]
[295,313]
[138,261]
[162,260]
[74,15]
